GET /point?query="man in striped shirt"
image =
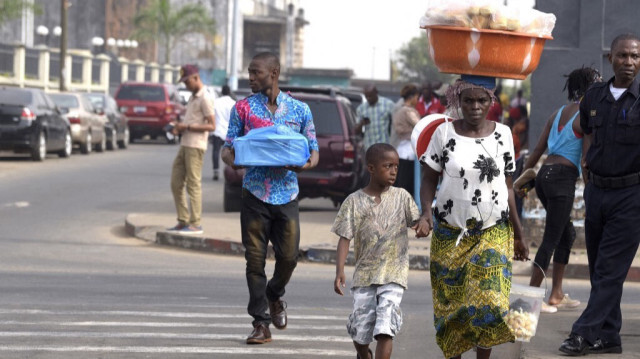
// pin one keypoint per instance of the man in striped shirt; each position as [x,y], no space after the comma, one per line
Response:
[375,117]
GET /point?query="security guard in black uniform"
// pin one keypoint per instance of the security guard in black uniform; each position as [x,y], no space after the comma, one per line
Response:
[610,119]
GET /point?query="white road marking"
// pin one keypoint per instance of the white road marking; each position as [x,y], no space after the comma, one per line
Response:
[242,337]
[165,325]
[181,350]
[158,314]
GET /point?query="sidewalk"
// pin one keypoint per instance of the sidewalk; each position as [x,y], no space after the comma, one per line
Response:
[317,243]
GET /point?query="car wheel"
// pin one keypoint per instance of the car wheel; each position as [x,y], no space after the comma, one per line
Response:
[86,147]
[66,151]
[102,145]
[124,143]
[113,141]
[232,198]
[39,151]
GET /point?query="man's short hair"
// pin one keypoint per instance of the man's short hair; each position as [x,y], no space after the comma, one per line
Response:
[623,37]
[376,151]
[269,58]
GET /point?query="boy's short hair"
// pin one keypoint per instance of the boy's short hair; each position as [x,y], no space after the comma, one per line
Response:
[375,152]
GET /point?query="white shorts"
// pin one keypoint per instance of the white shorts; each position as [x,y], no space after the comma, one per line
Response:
[376,310]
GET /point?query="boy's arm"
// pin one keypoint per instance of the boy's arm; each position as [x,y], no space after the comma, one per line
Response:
[341,257]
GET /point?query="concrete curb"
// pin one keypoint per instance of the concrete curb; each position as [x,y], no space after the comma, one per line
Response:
[317,253]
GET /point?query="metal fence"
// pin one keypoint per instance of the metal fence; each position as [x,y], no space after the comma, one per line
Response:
[54,67]
[31,63]
[6,59]
[76,69]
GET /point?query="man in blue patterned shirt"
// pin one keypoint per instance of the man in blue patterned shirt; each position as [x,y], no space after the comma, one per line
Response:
[375,117]
[269,194]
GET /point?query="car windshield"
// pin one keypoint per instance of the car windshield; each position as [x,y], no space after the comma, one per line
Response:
[15,97]
[141,93]
[325,117]
[96,100]
[68,101]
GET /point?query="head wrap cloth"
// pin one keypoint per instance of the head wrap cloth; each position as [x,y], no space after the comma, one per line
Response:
[488,84]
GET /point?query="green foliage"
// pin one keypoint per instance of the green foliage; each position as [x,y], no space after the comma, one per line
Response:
[12,9]
[415,65]
[159,21]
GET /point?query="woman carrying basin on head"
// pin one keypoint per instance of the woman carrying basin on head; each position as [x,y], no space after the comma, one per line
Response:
[476,231]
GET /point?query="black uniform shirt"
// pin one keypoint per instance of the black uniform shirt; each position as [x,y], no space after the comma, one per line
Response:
[615,129]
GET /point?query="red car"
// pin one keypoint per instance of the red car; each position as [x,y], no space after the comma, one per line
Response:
[340,170]
[149,106]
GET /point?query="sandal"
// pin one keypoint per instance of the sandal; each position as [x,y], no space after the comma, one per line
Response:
[567,302]
[546,308]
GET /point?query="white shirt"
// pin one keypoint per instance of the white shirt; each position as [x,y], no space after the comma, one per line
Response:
[473,193]
[222,109]
[616,91]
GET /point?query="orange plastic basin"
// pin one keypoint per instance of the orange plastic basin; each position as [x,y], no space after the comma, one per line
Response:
[461,50]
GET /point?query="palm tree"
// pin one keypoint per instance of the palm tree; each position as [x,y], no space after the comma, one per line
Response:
[158,21]
[12,9]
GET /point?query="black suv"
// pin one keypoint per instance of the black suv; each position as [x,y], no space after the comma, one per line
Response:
[31,123]
[340,170]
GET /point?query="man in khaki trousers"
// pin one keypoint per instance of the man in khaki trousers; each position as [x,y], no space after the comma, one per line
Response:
[187,166]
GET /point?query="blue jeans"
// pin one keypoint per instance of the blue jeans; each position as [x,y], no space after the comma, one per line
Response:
[262,222]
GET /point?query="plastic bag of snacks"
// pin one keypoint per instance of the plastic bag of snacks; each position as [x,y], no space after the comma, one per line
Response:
[488,14]
[524,311]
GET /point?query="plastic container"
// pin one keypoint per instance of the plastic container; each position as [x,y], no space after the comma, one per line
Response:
[496,53]
[524,310]
[423,130]
[273,146]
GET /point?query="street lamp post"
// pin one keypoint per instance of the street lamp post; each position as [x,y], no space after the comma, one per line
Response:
[43,31]
[98,44]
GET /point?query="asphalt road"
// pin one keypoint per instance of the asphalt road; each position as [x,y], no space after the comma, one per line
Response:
[73,285]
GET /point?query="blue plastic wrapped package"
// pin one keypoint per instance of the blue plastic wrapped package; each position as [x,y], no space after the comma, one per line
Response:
[273,146]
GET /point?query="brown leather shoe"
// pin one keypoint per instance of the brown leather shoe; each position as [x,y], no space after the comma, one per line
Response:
[260,334]
[278,313]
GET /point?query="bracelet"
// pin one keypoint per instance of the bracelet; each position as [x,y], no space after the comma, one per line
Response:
[188,127]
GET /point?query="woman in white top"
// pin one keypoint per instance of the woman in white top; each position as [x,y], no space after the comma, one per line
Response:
[476,230]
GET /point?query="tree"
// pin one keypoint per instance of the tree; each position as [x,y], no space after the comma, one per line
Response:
[415,65]
[159,21]
[12,9]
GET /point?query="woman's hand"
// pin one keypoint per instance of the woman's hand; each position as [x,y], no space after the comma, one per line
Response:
[424,225]
[520,249]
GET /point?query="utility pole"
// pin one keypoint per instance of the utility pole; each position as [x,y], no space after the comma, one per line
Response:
[63,43]
[233,72]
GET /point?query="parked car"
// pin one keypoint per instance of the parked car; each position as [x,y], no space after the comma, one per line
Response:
[31,123]
[340,170]
[87,125]
[118,126]
[149,106]
[185,94]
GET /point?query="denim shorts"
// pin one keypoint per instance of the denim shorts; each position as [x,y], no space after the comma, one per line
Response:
[376,310]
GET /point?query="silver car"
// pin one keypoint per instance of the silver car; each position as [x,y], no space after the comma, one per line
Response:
[87,126]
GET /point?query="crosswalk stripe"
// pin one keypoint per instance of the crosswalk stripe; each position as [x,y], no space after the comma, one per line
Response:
[165,325]
[181,350]
[158,314]
[298,338]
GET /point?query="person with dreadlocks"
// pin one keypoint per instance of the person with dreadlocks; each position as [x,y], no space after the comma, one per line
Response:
[555,186]
[476,231]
